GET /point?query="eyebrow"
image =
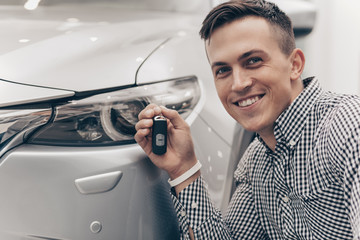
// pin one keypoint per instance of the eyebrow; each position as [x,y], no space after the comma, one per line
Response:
[244,55]
[216,64]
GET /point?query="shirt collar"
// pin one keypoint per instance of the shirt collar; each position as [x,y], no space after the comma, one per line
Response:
[289,125]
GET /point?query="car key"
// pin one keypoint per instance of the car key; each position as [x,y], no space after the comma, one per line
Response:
[159,135]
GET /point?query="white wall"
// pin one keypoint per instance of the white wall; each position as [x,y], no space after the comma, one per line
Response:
[332,50]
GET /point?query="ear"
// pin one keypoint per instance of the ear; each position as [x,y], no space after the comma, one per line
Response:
[297,63]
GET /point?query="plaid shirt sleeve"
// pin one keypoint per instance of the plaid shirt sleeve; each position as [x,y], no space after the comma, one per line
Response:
[353,190]
[194,209]
[348,119]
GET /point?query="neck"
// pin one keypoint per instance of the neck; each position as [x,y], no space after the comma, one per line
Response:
[267,135]
[269,140]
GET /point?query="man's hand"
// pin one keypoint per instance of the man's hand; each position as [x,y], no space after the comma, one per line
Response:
[180,155]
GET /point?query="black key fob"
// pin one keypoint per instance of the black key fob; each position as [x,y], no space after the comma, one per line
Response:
[159,135]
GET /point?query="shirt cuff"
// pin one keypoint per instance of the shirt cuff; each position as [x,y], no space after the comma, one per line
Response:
[193,206]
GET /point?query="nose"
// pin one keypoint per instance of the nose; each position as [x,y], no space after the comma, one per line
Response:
[240,81]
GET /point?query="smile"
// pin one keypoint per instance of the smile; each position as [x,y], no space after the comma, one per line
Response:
[249,101]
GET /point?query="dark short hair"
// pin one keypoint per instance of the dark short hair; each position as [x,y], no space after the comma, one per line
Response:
[235,9]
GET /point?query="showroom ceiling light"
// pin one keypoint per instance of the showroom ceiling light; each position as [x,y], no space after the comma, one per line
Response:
[31,4]
[24,40]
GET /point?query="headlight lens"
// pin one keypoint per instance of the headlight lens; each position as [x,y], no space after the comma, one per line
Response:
[16,124]
[110,118]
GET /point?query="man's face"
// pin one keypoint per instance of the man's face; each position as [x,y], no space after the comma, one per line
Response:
[252,75]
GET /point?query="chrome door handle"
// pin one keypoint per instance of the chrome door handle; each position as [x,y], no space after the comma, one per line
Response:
[98,183]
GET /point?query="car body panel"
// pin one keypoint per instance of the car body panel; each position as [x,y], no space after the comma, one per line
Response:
[137,207]
[16,94]
[76,59]
[77,49]
[43,200]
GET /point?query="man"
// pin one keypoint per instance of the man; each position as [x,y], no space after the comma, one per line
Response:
[299,179]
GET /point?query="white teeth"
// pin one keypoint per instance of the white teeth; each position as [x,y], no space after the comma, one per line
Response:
[248,101]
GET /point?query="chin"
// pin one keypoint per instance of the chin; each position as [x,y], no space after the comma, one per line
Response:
[251,129]
[248,126]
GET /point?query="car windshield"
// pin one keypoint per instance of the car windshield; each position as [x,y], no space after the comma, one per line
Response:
[157,5]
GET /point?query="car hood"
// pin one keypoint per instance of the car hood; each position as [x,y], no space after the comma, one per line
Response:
[81,50]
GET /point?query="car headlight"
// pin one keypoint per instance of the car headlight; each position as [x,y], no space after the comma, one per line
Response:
[110,118]
[15,124]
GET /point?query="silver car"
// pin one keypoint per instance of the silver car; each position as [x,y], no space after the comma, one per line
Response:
[73,77]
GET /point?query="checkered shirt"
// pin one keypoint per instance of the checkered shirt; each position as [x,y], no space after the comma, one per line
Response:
[308,188]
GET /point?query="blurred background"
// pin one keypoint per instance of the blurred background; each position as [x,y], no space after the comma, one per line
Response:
[332,50]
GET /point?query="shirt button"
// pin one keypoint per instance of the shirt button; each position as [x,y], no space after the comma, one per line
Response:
[292,143]
[183,213]
[194,205]
[286,199]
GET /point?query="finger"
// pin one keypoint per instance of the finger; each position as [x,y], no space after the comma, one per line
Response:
[149,112]
[176,120]
[141,134]
[141,138]
[144,123]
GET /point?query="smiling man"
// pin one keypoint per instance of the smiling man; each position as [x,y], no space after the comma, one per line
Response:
[300,177]
[255,79]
